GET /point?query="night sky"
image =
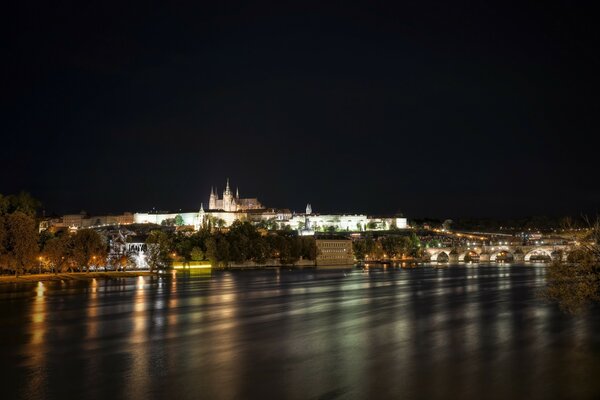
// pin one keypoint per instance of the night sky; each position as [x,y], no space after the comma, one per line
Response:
[425,108]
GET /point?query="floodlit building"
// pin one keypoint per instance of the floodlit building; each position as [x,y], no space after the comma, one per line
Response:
[334,251]
[231,203]
[187,218]
[310,222]
[229,208]
[83,220]
[221,212]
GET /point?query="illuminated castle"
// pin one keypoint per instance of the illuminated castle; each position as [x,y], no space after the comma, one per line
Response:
[231,203]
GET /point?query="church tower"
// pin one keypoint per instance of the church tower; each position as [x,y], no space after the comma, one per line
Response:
[201,218]
[212,202]
[306,217]
[228,199]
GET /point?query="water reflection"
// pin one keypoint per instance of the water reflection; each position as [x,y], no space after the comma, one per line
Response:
[374,333]
[35,352]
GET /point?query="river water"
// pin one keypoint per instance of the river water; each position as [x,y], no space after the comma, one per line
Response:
[468,332]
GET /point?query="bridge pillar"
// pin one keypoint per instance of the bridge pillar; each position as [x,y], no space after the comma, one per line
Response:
[453,258]
[519,257]
[484,257]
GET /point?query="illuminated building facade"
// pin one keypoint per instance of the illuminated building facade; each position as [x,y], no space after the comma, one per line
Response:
[231,203]
[224,211]
[334,252]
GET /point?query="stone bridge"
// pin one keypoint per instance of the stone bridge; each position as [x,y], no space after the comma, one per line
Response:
[509,253]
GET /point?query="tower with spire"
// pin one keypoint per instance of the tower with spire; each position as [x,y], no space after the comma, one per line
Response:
[212,201]
[200,221]
[230,202]
[228,199]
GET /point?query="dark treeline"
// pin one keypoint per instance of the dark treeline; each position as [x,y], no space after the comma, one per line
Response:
[387,246]
[18,232]
[576,283]
[242,242]
[23,249]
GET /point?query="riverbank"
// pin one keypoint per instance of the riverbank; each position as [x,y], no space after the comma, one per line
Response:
[72,276]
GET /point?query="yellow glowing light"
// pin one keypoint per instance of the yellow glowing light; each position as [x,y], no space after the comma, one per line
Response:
[192,265]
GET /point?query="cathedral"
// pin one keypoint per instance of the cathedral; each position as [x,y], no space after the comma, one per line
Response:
[231,203]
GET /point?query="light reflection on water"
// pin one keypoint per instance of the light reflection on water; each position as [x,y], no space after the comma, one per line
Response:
[458,332]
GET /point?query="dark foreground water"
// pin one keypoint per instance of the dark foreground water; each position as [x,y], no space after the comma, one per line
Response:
[463,332]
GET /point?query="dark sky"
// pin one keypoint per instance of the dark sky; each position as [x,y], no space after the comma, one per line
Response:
[425,108]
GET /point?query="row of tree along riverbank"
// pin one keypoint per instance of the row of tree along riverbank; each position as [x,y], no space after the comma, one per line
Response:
[25,251]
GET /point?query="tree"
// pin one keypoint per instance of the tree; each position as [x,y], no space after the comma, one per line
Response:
[359,248]
[433,243]
[573,285]
[217,249]
[4,204]
[125,260]
[88,248]
[179,220]
[56,252]
[44,237]
[309,248]
[20,241]
[24,203]
[158,249]
[121,256]
[393,245]
[576,283]
[168,222]
[197,254]
[372,225]
[260,250]
[3,238]
[182,244]
[414,249]
[377,250]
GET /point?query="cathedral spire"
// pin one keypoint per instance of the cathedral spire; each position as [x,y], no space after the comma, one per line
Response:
[212,200]
[237,193]
[227,190]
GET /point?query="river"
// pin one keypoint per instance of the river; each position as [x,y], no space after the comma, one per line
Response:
[468,332]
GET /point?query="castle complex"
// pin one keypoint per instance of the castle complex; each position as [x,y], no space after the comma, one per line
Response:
[229,208]
[230,203]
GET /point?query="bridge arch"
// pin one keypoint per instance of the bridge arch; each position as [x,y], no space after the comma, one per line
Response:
[440,256]
[539,254]
[469,256]
[502,255]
